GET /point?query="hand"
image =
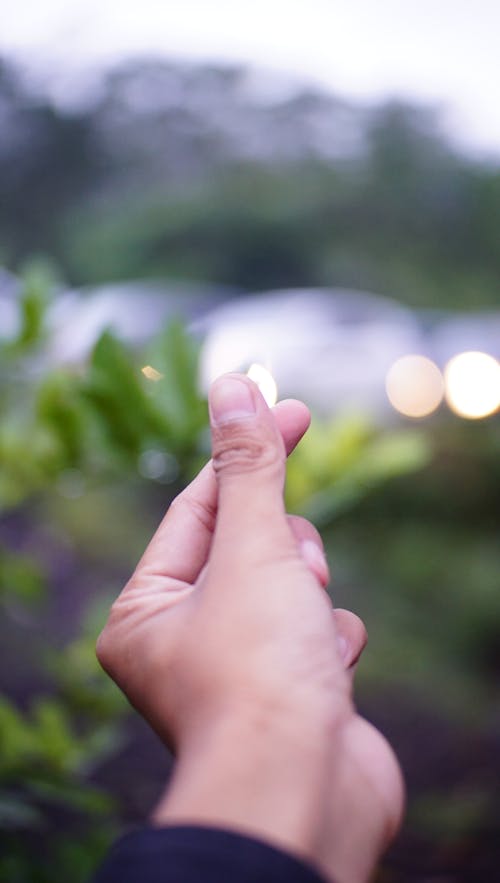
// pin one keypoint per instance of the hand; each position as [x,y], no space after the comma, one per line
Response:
[226,642]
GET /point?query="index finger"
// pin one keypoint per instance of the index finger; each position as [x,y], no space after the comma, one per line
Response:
[179,549]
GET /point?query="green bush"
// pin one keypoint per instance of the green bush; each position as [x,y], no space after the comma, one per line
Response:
[92,453]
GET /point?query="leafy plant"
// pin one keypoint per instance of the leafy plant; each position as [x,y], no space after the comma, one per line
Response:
[70,437]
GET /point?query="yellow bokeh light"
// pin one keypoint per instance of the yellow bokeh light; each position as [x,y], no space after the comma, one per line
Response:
[472,383]
[265,381]
[151,373]
[414,386]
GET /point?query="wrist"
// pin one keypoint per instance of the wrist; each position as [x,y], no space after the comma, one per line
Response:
[259,771]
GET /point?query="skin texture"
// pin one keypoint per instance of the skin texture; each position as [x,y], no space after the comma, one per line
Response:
[226,642]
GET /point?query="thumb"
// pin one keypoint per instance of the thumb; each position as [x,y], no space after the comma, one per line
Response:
[249,461]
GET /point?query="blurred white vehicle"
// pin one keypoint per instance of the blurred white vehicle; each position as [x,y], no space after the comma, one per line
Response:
[334,348]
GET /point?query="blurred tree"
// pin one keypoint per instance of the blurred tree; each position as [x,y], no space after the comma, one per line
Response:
[48,159]
[178,170]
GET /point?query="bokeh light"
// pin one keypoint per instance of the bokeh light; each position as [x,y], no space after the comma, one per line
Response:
[151,373]
[265,381]
[472,383]
[158,465]
[414,386]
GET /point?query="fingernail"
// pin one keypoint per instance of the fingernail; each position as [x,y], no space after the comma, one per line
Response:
[343,648]
[229,399]
[315,559]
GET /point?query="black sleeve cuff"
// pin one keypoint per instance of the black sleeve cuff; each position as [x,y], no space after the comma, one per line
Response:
[200,855]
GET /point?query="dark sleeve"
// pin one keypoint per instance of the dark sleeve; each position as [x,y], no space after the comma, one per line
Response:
[200,855]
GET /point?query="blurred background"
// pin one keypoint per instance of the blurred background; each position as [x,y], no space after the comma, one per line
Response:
[309,191]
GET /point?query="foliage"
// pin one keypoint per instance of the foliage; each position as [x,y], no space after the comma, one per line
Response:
[99,421]
[101,425]
[340,463]
[175,171]
[90,423]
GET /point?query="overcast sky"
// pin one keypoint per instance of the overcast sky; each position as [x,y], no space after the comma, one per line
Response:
[444,51]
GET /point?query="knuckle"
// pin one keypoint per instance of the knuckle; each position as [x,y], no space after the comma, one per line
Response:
[203,511]
[240,452]
[305,530]
[104,649]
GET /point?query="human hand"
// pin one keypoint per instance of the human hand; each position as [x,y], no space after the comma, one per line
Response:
[226,642]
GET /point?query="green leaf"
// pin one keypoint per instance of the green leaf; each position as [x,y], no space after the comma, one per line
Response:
[113,386]
[18,812]
[20,578]
[39,281]
[174,355]
[60,407]
[56,741]
[337,464]
[75,795]
[18,742]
